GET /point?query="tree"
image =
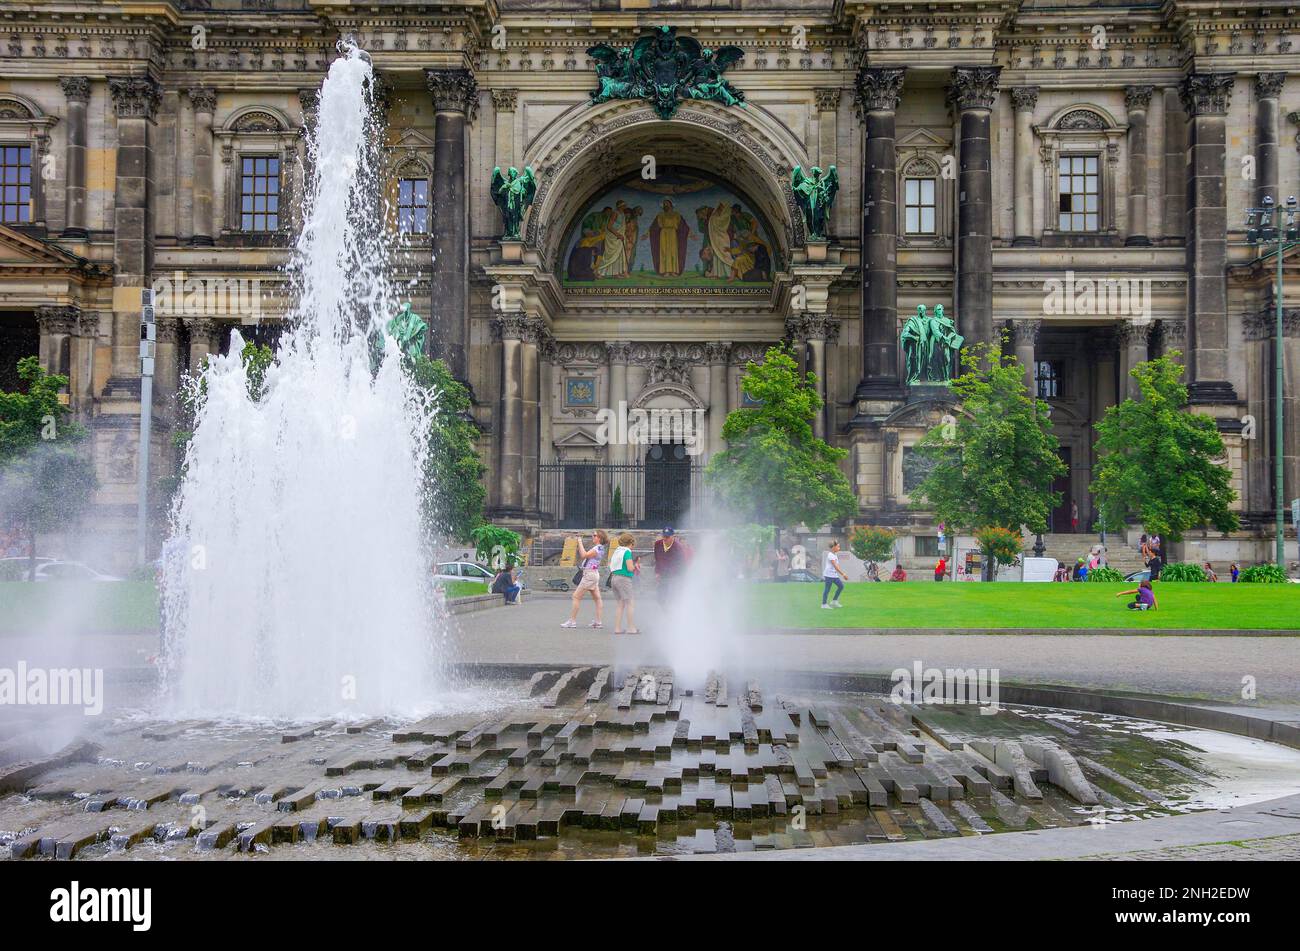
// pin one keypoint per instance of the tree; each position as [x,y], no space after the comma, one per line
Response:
[993,463]
[774,471]
[872,544]
[999,546]
[1158,463]
[496,546]
[47,480]
[453,472]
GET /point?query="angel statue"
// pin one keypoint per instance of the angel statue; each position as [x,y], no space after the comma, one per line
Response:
[513,193]
[814,194]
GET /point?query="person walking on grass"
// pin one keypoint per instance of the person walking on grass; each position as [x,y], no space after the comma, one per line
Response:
[831,568]
[622,576]
[590,559]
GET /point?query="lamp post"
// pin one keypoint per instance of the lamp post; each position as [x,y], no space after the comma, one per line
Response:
[1270,231]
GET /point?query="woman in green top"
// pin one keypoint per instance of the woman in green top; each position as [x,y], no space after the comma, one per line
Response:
[622,571]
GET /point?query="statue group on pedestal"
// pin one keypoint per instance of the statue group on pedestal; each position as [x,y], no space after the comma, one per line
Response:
[665,68]
[814,195]
[930,341]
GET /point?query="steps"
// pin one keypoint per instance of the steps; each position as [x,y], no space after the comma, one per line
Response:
[1068,548]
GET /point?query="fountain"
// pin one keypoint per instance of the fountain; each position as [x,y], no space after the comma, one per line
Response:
[298,583]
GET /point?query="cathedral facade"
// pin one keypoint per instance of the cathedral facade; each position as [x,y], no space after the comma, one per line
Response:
[1071,183]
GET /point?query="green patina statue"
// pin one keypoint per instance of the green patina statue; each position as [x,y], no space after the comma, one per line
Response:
[409,330]
[814,195]
[929,343]
[665,68]
[513,193]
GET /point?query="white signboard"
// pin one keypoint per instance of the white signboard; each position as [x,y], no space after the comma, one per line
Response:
[1295,512]
[1039,569]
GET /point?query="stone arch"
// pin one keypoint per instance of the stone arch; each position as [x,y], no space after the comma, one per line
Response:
[1082,117]
[602,143]
[257,119]
[666,395]
[16,107]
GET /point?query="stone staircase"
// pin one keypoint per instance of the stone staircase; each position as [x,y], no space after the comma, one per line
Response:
[1067,548]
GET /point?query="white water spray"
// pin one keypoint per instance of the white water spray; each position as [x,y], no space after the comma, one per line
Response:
[297,582]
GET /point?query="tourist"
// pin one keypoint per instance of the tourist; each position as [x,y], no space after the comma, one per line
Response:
[1155,565]
[671,556]
[1209,572]
[1234,570]
[506,585]
[1074,516]
[1062,573]
[589,559]
[622,578]
[941,568]
[830,568]
[1080,570]
[782,563]
[1145,600]
[898,574]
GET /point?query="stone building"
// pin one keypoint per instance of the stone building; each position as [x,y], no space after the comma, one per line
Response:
[1072,180]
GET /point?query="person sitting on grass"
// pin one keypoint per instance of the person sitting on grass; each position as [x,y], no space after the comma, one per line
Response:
[898,574]
[1145,600]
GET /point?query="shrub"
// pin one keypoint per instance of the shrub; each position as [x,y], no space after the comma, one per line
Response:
[1105,574]
[1263,574]
[872,544]
[495,545]
[998,543]
[1183,571]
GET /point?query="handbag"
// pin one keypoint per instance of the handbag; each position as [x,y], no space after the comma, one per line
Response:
[577,576]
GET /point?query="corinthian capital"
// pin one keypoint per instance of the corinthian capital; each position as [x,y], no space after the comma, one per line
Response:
[879,89]
[134,97]
[1269,85]
[1206,94]
[1024,98]
[1138,98]
[76,88]
[975,87]
[454,90]
[203,100]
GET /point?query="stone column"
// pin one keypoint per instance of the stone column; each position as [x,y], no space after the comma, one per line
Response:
[57,323]
[1205,96]
[718,355]
[975,89]
[1268,90]
[135,101]
[1290,406]
[1175,166]
[530,397]
[167,364]
[820,330]
[1137,99]
[1024,99]
[185,170]
[77,91]
[203,341]
[504,103]
[204,102]
[455,99]
[827,101]
[511,328]
[1134,343]
[1173,336]
[619,352]
[878,95]
[1025,334]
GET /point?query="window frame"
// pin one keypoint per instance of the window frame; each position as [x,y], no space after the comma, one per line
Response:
[1061,175]
[427,206]
[30,184]
[921,206]
[276,196]
[1057,377]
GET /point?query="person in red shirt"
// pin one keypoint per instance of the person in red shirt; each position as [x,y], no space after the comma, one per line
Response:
[671,559]
[940,569]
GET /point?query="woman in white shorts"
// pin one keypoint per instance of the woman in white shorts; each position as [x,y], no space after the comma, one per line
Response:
[590,559]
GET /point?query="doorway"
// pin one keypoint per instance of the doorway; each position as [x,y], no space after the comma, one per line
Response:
[1061,484]
[667,484]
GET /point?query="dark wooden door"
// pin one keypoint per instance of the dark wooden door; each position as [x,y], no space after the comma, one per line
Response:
[1061,484]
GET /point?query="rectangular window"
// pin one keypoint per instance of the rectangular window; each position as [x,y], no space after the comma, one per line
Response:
[1047,376]
[927,546]
[16,184]
[413,206]
[918,205]
[259,193]
[1078,193]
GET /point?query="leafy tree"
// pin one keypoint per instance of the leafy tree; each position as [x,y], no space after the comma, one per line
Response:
[999,546]
[453,472]
[994,463]
[47,480]
[495,545]
[1157,462]
[869,543]
[774,470]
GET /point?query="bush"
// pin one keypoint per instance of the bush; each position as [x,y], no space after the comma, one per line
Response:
[1183,571]
[872,544]
[496,546]
[1106,575]
[1263,574]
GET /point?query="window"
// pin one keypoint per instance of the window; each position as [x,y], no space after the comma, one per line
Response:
[16,182]
[260,193]
[413,206]
[1047,375]
[927,546]
[919,205]
[1078,190]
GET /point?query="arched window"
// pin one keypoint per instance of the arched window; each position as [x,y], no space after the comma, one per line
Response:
[923,204]
[412,198]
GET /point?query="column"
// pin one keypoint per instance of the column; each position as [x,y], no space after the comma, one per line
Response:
[878,94]
[1024,99]
[204,102]
[1137,99]
[975,88]
[77,91]
[135,101]
[718,355]
[619,352]
[57,323]
[1025,334]
[827,101]
[504,102]
[455,97]
[1134,341]
[820,330]
[1268,90]
[1290,406]
[530,397]
[1175,166]
[185,171]
[167,364]
[511,328]
[1173,336]
[82,384]
[203,341]
[794,332]
[1205,96]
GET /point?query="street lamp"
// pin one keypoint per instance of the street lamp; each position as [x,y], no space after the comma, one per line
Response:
[1270,230]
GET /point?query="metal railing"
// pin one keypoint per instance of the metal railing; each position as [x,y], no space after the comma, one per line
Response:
[648,495]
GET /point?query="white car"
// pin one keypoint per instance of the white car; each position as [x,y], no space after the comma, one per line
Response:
[15,569]
[70,571]
[463,571]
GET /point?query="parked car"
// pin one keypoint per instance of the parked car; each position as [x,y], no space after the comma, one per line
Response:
[70,571]
[1143,575]
[801,574]
[463,571]
[15,569]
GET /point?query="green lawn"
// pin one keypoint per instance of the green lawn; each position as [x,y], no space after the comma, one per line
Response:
[77,606]
[1014,605]
[464,589]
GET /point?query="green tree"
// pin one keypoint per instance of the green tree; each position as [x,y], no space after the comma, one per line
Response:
[1158,463]
[494,545]
[993,463]
[774,471]
[869,543]
[453,472]
[47,480]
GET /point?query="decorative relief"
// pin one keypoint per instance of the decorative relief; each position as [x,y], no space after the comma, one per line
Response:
[454,90]
[1206,94]
[135,97]
[975,87]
